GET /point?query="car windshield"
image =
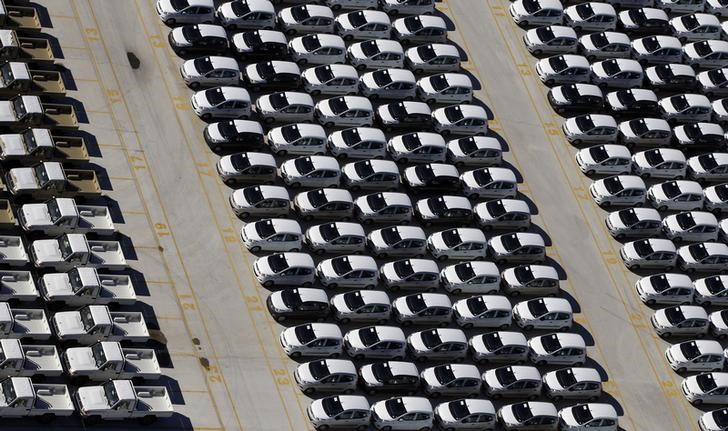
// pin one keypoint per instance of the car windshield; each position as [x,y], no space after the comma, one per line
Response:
[304,165]
[381,371]
[97,351]
[324,73]
[332,406]
[706,382]
[599,40]
[537,307]
[278,100]
[721,417]
[690,349]
[376,201]
[550,343]
[702,48]
[674,315]
[464,271]
[698,251]
[521,412]
[110,393]
[505,375]
[264,228]
[611,67]
[650,43]
[671,189]
[253,194]
[626,97]
[395,407]
[439,83]
[643,248]
[584,10]
[717,76]
[338,105]
[416,303]
[351,136]
[363,168]
[227,129]
[304,333]
[291,133]
[424,173]
[581,413]
[397,110]
[8,391]
[451,238]
[426,52]
[391,236]
[437,205]
[558,63]
[510,242]
[459,409]
[482,176]
[240,8]
[639,126]
[692,130]
[431,338]
[660,282]
[179,4]
[628,217]
[689,21]
[203,64]
[722,191]
[291,298]
[492,341]
[318,369]
[214,96]
[311,42]
[531,6]
[252,38]
[707,161]
[265,70]
[585,122]
[654,157]
[329,231]
[685,220]
[411,141]
[191,32]
[664,71]
[87,319]
[277,262]
[357,19]
[598,153]
[714,284]
[240,162]
[412,23]
[353,300]
[369,336]
[341,265]
[300,13]
[382,77]
[613,185]
[403,268]
[680,102]
[369,48]
[565,377]
[454,113]
[476,305]
[545,33]
[637,16]
[444,374]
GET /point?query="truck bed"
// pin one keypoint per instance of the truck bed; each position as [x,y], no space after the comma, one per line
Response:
[30,323]
[7,218]
[141,363]
[154,399]
[18,285]
[95,219]
[12,251]
[116,288]
[46,82]
[82,182]
[70,148]
[20,18]
[42,360]
[52,399]
[107,254]
[60,116]
[129,326]
[34,49]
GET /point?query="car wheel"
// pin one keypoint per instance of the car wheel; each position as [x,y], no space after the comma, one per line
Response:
[442,258]
[369,287]
[269,283]
[468,326]
[255,249]
[295,355]
[360,67]
[348,38]
[307,284]
[579,364]
[504,326]
[406,323]
[295,185]
[681,370]
[540,363]
[387,428]
[268,120]
[473,196]
[206,117]
[404,222]
[315,92]
[557,398]
[334,355]
[528,328]
[590,172]
[170,21]
[331,286]
[456,291]
[524,23]
[373,97]
[309,391]
[697,402]
[282,153]
[650,302]
[359,357]
[394,288]
[549,82]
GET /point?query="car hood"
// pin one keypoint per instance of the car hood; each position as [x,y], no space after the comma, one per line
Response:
[545,67]
[437,242]
[296,45]
[694,164]
[226,165]
[558,96]
[630,252]
[586,158]
[491,380]
[339,303]
[253,76]
[600,189]
[188,68]
[310,76]
[661,320]
[92,398]
[462,309]
[507,416]
[646,287]
[417,344]
[686,256]
[178,38]
[552,382]
[400,27]
[201,101]
[384,115]
[304,375]
[615,221]
[354,340]
[214,133]
[567,417]
[497,246]
[367,374]
[250,233]
[521,309]
[692,386]
[677,354]
[35,214]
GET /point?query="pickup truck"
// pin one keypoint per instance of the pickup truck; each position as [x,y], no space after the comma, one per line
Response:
[17,286]
[7,217]
[19,17]
[85,286]
[23,323]
[12,251]
[17,78]
[35,145]
[62,215]
[27,49]
[107,360]
[17,360]
[73,249]
[50,179]
[121,399]
[28,111]
[94,323]
[20,397]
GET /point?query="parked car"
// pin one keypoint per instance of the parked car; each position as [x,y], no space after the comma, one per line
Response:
[531,414]
[557,348]
[671,76]
[198,38]
[483,311]
[446,344]
[537,13]
[538,280]
[408,7]
[286,106]
[657,49]
[517,247]
[676,195]
[404,413]
[708,167]
[701,135]
[633,101]
[575,97]
[489,183]
[474,150]
[249,167]
[260,201]
[609,159]
[346,111]
[470,277]
[432,57]
[422,309]
[591,16]
[285,269]
[695,355]
[389,376]
[385,342]
[591,128]
[298,303]
[706,388]
[417,274]
[234,135]
[247,15]
[388,84]
[383,207]
[326,375]
[703,256]
[417,29]
[336,237]
[512,381]
[447,209]
[606,44]
[311,171]
[551,39]
[363,25]
[682,320]
[544,313]
[306,18]
[667,163]
[713,82]
[685,108]
[276,234]
[357,143]
[711,290]
[298,139]
[451,380]
[335,79]
[466,414]
[457,243]
[273,74]
[401,241]
[417,147]
[573,383]
[563,69]
[511,214]
[406,114]
[716,198]
[361,306]
[645,132]
[196,12]
[352,410]
[695,26]
[221,102]
[431,177]
[348,271]
[317,48]
[375,54]
[706,54]
[665,288]
[649,253]
[312,339]
[499,347]
[623,190]
[599,416]
[259,43]
[324,203]
[645,20]
[634,222]
[371,175]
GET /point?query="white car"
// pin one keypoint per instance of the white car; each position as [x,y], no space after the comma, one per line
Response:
[386,342]
[666,163]
[306,18]
[537,13]
[247,15]
[445,88]
[275,234]
[645,132]
[711,290]
[388,84]
[713,420]
[198,38]
[716,7]
[558,348]
[573,383]
[260,201]
[317,49]
[713,82]
[348,271]
[706,54]
[337,410]
[682,320]
[417,274]
[394,376]
[606,159]
[489,183]
[511,214]
[525,415]
[471,277]
[361,306]
[402,413]
[417,147]
[706,388]
[438,344]
[719,324]
[699,136]
[249,167]
[670,76]
[563,69]
[432,57]
[680,6]
[186,12]
[677,195]
[210,71]
[324,203]
[371,175]
[423,309]
[591,128]
[357,143]
[363,25]
[633,101]
[444,209]
[607,44]
[458,243]
[221,102]
[336,237]
[351,4]
[590,416]
[720,111]
[644,19]
[259,43]
[543,313]
[617,73]
[649,253]
[230,135]
[285,269]
[298,139]
[285,106]
[665,288]
[708,167]
[311,171]
[408,7]
[466,414]
[703,256]
[298,303]
[695,356]
[483,311]
[375,54]
[716,198]
[312,339]
[517,247]
[404,114]
[551,39]
[345,111]
[686,107]
[431,177]
[625,190]
[691,226]
[475,150]
[399,241]
[591,16]
[384,207]
[271,74]
[575,97]
[657,50]
[695,26]
[417,29]
[331,79]
[500,347]
[634,222]
[540,280]
[512,381]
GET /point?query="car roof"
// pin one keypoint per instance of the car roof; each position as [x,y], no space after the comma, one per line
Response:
[539,408]
[690,311]
[426,138]
[261,5]
[347,228]
[409,231]
[399,368]
[598,8]
[673,278]
[356,102]
[375,16]
[663,41]
[569,339]
[205,3]
[296,98]
[720,378]
[697,99]
[274,192]
[600,410]
[416,404]
[386,45]
[602,120]
[416,107]
[454,79]
[659,244]
[342,70]
[469,234]
[284,225]
[702,217]
[317,10]
[587,89]
[358,262]
[351,402]
[380,165]
[233,93]
[429,21]
[530,238]
[469,110]
[639,93]
[297,259]
[585,374]
[707,128]
[524,372]
[626,64]
[443,49]
[480,142]
[220,62]
[494,301]
[550,4]
[501,174]
[562,31]
[704,346]
[211,30]
[671,154]
[561,305]
[463,370]
[454,201]
[720,158]
[474,406]
[511,338]
[396,198]
[630,181]
[374,296]
[388,332]
[480,266]
[256,158]
[314,295]
[423,265]
[336,194]
[713,247]
[269,36]
[715,45]
[616,150]
[328,330]
[281,66]
[644,213]
[324,162]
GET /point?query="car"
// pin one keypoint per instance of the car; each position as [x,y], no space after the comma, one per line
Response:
[383,207]
[706,388]
[234,134]
[591,128]
[474,150]
[609,159]
[691,226]
[336,237]
[680,6]
[716,7]
[645,132]
[389,376]
[591,16]
[221,102]
[563,69]
[348,271]
[706,54]
[432,58]
[657,49]
[703,256]
[274,74]
[695,355]
[537,13]
[336,79]
[676,195]
[407,7]
[623,190]
[417,274]
[695,26]
[357,143]
[451,380]
[260,201]
[719,324]
[470,277]
[298,303]
[276,234]
[418,29]
[543,313]
[457,243]
[405,114]
[713,82]
[422,309]
[517,247]
[572,383]
[324,203]
[285,106]
[701,135]
[363,25]
[682,320]
[400,241]
[259,43]
[634,222]
[431,177]
[489,183]
[187,12]
[299,139]
[483,311]
[388,84]
[603,45]
[312,339]
[529,415]
[198,38]
[311,171]
[337,410]
[685,108]
[361,306]
[247,15]
[560,348]
[633,101]
[512,381]
[371,342]
[575,97]
[716,198]
[708,167]
[445,88]
[540,280]
[376,54]
[551,39]
[720,111]
[402,413]
[511,214]
[417,147]
[714,420]
[465,414]
[317,49]
[449,209]
[345,111]
[647,20]
[598,416]
[666,163]
[711,290]
[499,347]
[247,167]
[665,288]
[306,18]
[670,76]
[371,175]
[286,268]
[652,253]
[351,4]
[446,344]
[463,119]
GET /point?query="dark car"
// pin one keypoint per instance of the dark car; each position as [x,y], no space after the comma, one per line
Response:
[389,376]
[205,38]
[260,43]
[234,135]
[272,75]
[299,303]
[576,98]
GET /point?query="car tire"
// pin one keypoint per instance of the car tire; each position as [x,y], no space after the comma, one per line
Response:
[268,120]
[558,398]
[422,359]
[269,283]
[524,23]
[697,403]
[360,67]
[373,97]
[589,173]
[688,271]
[170,21]
[307,284]
[295,355]
[681,370]
[387,428]
[528,328]
[467,326]
[334,355]
[255,249]
[359,357]
[442,258]
[206,117]
[405,323]
[309,391]
[369,287]
[504,326]
[348,38]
